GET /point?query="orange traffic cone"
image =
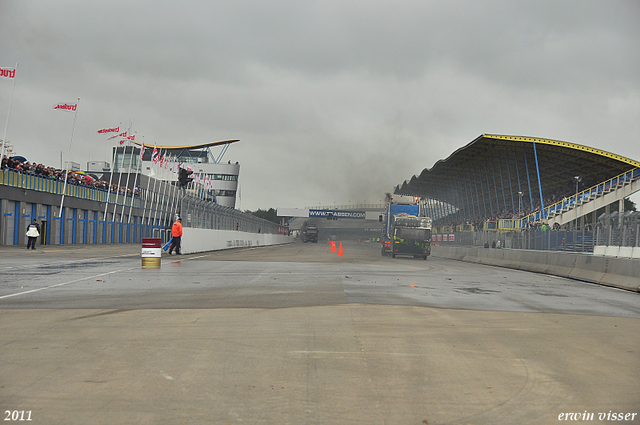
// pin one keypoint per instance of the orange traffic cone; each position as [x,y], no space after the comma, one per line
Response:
[340,250]
[332,244]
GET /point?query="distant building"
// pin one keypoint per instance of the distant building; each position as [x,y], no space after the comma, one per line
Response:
[98,166]
[223,176]
[70,165]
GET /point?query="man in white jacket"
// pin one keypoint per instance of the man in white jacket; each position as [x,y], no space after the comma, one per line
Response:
[33,231]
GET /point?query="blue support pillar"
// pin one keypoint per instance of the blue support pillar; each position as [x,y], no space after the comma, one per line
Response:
[47,236]
[84,228]
[62,216]
[74,225]
[462,198]
[520,203]
[513,206]
[488,190]
[528,179]
[16,223]
[447,205]
[459,205]
[484,202]
[95,227]
[469,196]
[453,202]
[535,154]
[475,203]
[477,207]
[495,186]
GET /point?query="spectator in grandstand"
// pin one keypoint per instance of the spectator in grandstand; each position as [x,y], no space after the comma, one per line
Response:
[40,170]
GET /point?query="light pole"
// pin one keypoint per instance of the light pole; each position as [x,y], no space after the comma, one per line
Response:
[520,193]
[578,179]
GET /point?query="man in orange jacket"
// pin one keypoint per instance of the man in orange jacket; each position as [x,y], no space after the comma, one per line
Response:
[176,236]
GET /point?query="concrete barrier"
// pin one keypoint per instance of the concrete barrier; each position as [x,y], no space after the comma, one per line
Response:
[204,240]
[621,273]
[617,251]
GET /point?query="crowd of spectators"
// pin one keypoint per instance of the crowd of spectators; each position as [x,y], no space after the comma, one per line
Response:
[74,178]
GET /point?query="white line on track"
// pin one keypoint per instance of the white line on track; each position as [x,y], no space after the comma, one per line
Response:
[58,263]
[65,283]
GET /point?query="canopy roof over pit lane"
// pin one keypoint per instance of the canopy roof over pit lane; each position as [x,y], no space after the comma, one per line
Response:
[496,176]
[191,153]
[196,146]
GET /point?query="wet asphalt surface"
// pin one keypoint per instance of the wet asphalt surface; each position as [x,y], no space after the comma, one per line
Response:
[294,334]
[293,275]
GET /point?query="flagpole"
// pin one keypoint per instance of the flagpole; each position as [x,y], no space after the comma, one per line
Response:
[173,193]
[146,197]
[115,205]
[138,168]
[6,125]
[172,189]
[165,199]
[155,180]
[66,175]
[160,190]
[159,198]
[126,187]
[106,204]
[113,164]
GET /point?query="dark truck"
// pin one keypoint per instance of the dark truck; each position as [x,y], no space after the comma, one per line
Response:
[411,236]
[397,205]
[310,234]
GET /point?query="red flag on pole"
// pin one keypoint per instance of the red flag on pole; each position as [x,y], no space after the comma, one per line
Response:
[109,130]
[154,157]
[141,151]
[67,107]
[123,134]
[9,73]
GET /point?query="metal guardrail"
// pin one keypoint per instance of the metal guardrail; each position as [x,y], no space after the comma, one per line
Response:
[584,196]
[29,181]
[202,214]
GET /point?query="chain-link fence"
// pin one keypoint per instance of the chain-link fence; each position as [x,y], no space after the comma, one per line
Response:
[614,229]
[201,214]
[619,229]
[549,240]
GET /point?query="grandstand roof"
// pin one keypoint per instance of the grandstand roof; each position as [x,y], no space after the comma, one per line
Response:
[198,146]
[495,159]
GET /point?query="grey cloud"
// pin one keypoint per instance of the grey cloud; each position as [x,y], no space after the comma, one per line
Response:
[373,91]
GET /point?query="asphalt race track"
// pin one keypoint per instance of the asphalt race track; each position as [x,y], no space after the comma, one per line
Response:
[294,334]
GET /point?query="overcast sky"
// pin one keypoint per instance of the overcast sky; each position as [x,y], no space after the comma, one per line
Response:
[333,101]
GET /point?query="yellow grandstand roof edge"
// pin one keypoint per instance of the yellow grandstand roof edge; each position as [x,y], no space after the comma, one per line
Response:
[198,146]
[566,145]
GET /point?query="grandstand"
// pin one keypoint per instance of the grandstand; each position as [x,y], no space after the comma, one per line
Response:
[95,212]
[514,182]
